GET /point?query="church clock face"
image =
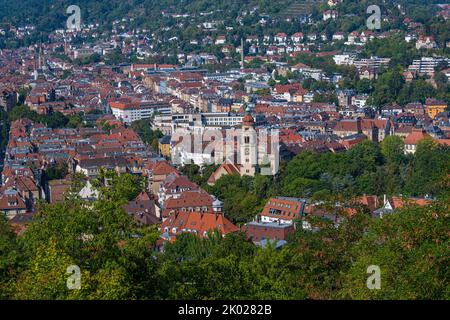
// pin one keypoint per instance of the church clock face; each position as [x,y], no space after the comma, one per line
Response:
[247,151]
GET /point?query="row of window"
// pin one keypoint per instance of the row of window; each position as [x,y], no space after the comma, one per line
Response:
[281,205]
[191,209]
[174,231]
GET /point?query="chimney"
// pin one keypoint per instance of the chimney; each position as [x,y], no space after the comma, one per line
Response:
[242,53]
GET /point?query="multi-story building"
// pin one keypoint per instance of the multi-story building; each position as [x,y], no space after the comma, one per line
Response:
[425,42]
[427,65]
[343,59]
[202,121]
[283,210]
[129,110]
[373,63]
[196,222]
[164,146]
[433,107]
[413,138]
[257,230]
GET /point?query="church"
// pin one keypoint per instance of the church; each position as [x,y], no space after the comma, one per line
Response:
[257,152]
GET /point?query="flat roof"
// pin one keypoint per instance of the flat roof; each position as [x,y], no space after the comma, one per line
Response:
[269,224]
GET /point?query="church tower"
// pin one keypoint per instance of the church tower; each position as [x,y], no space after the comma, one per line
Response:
[248,146]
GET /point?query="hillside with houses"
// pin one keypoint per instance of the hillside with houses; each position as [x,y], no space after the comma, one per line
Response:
[240,150]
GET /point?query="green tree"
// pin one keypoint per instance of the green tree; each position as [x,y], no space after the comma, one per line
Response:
[430,165]
[410,247]
[46,275]
[10,257]
[392,149]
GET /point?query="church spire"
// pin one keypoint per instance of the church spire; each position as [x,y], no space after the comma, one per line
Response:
[248,120]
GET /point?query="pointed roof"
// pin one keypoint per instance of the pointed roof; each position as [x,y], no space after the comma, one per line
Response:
[229,167]
[88,192]
[161,168]
[416,135]
[248,120]
[197,222]
[143,196]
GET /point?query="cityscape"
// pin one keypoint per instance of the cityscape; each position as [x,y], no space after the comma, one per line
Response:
[236,150]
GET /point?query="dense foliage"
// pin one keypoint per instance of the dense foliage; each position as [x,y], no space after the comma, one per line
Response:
[117,261]
[367,168]
[144,129]
[52,120]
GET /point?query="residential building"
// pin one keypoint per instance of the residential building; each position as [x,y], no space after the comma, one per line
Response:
[258,231]
[433,107]
[164,146]
[412,139]
[283,210]
[129,110]
[11,204]
[196,222]
[425,42]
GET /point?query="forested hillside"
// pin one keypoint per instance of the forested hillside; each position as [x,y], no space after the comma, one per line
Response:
[51,14]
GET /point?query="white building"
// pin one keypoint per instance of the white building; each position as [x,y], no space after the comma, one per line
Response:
[374,63]
[343,59]
[330,14]
[427,65]
[129,111]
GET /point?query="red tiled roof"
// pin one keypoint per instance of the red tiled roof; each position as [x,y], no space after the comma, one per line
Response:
[198,223]
[230,168]
[398,202]
[188,199]
[284,208]
[161,168]
[248,120]
[415,136]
